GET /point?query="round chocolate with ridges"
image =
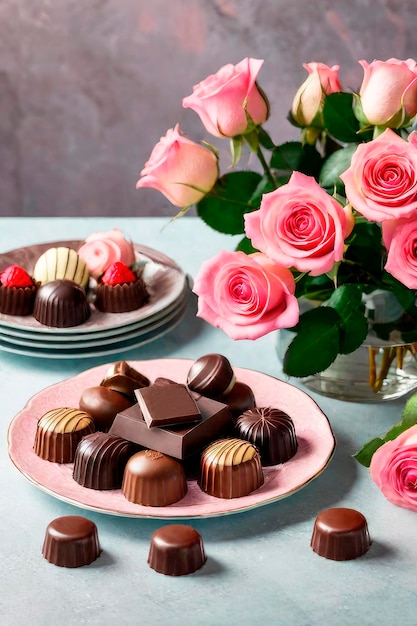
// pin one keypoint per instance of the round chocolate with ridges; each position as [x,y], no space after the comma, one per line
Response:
[103,405]
[340,534]
[58,433]
[100,460]
[61,304]
[71,541]
[230,468]
[61,263]
[211,375]
[272,431]
[153,479]
[176,550]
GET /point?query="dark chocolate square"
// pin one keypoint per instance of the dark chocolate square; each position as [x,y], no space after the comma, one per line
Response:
[167,405]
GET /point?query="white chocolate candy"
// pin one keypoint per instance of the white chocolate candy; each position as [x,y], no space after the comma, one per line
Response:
[61,263]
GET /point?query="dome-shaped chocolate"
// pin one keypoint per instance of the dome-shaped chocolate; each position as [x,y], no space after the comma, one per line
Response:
[61,304]
[211,375]
[100,461]
[271,431]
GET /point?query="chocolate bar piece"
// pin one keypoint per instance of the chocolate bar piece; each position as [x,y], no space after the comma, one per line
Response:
[167,405]
[177,441]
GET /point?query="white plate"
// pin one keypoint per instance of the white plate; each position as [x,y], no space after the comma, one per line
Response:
[314,434]
[103,348]
[164,278]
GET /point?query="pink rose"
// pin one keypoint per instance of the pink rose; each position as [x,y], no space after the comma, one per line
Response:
[400,239]
[381,182]
[388,94]
[181,169]
[300,225]
[223,100]
[247,296]
[102,249]
[307,106]
[394,469]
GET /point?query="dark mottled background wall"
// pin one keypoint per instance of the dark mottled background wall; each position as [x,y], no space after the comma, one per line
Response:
[87,87]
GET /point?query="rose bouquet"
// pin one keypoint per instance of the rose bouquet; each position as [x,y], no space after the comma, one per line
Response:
[329,219]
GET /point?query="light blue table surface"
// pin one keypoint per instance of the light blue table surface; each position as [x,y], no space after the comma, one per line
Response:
[260,567]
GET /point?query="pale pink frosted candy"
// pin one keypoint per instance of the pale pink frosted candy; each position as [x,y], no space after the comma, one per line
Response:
[102,249]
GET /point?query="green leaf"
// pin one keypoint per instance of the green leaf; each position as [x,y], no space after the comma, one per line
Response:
[365,453]
[334,165]
[292,155]
[264,139]
[344,299]
[316,344]
[409,414]
[339,118]
[354,332]
[223,209]
[245,245]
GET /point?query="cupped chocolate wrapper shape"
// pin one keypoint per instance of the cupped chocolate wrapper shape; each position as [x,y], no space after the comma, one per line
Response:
[100,460]
[340,534]
[121,298]
[230,468]
[17,300]
[211,375]
[271,431]
[71,541]
[153,479]
[61,304]
[176,550]
[58,433]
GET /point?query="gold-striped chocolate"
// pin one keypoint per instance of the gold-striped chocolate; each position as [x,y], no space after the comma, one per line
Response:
[58,433]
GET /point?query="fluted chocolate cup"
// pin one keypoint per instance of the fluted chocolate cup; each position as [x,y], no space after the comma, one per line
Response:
[71,541]
[340,534]
[176,550]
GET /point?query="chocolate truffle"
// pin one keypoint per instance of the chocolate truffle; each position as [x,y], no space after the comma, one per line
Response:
[271,431]
[103,405]
[61,263]
[71,541]
[211,375]
[61,304]
[176,550]
[100,460]
[230,468]
[153,479]
[58,433]
[167,405]
[340,534]
[122,297]
[239,399]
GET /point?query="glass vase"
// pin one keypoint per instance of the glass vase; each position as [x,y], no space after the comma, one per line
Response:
[377,371]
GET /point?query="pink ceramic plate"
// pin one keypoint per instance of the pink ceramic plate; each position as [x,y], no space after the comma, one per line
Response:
[315,436]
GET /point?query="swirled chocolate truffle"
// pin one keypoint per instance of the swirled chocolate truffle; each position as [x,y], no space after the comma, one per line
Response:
[153,479]
[58,433]
[71,541]
[103,405]
[61,304]
[340,534]
[100,460]
[230,468]
[271,431]
[211,375]
[176,550]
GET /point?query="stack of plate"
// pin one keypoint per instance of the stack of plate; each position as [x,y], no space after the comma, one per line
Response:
[103,333]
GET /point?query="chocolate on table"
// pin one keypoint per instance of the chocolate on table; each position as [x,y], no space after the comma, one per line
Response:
[167,405]
[176,550]
[71,541]
[103,404]
[211,375]
[179,441]
[340,534]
